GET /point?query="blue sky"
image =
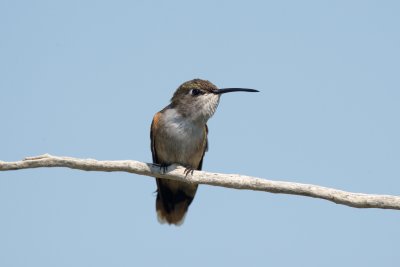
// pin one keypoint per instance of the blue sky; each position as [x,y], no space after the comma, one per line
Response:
[84,78]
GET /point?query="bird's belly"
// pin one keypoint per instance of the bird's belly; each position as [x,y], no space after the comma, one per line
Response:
[183,147]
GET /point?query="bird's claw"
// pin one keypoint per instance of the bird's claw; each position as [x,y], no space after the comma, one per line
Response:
[187,171]
[163,168]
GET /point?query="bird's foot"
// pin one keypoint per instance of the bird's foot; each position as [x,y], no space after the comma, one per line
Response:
[163,167]
[187,171]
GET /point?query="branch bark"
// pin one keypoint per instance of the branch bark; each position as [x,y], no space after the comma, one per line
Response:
[175,172]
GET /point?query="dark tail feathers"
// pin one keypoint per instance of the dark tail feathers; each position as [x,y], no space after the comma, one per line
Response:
[173,200]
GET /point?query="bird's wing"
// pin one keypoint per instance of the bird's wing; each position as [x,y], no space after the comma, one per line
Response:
[153,130]
[205,147]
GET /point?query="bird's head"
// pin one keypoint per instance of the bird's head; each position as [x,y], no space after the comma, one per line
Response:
[198,99]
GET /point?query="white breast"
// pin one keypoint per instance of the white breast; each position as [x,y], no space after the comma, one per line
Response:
[181,141]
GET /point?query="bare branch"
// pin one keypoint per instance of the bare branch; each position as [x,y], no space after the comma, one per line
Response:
[175,172]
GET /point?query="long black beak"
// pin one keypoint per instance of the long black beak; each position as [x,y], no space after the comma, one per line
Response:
[228,90]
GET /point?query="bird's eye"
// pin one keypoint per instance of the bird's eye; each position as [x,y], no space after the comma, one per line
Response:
[195,92]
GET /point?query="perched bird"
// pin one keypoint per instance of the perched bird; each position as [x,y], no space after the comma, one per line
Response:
[179,136]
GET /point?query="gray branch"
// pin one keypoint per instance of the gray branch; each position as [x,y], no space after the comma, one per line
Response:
[176,172]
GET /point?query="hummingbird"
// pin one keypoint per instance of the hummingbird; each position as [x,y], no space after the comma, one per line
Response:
[179,136]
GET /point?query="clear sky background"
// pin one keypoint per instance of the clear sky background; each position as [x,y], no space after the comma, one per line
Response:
[84,78]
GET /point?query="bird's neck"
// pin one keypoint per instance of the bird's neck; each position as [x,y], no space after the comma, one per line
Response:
[188,114]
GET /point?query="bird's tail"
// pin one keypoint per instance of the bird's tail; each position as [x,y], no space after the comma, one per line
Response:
[173,200]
